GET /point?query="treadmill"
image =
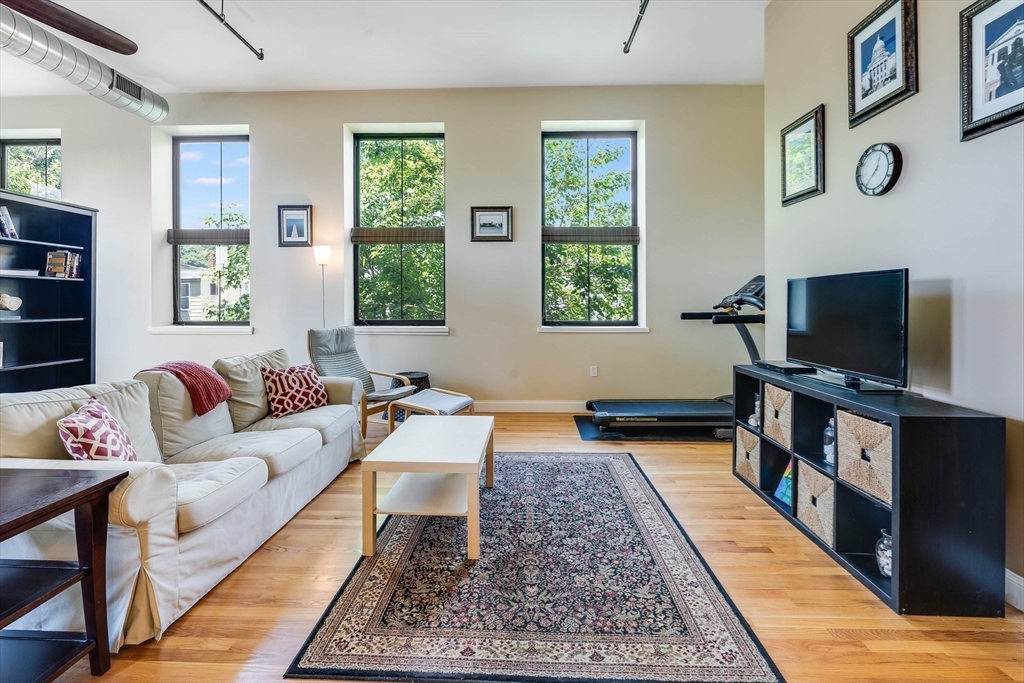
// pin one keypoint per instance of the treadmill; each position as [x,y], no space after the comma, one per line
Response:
[716,414]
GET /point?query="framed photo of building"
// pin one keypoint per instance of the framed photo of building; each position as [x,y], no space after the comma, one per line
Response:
[491,224]
[991,66]
[882,59]
[295,226]
[803,157]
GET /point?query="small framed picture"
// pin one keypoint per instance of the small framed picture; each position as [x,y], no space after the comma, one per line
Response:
[491,224]
[294,226]
[991,66]
[882,59]
[803,157]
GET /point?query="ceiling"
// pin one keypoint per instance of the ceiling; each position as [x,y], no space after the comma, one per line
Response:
[390,44]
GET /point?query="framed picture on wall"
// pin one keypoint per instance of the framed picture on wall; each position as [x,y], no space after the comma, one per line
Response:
[803,157]
[882,59]
[991,66]
[295,226]
[491,224]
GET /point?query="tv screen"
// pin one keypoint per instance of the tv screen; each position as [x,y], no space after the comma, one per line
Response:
[855,324]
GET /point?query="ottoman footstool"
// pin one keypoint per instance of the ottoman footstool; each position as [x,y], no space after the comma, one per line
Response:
[430,402]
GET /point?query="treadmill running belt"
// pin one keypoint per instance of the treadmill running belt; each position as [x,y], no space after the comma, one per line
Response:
[662,413]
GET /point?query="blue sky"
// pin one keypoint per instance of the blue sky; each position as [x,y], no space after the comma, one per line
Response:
[888,33]
[998,27]
[212,174]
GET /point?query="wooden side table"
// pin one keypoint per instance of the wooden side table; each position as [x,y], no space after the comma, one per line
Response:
[28,498]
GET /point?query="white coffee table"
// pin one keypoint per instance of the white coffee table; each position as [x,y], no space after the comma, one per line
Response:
[441,457]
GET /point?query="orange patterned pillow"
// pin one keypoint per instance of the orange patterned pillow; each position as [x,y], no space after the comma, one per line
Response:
[292,390]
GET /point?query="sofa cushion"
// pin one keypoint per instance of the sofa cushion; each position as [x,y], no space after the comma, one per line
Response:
[174,420]
[281,450]
[128,401]
[92,433]
[207,490]
[28,420]
[248,401]
[330,421]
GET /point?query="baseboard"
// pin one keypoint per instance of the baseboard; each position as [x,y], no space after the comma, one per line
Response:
[1015,590]
[530,406]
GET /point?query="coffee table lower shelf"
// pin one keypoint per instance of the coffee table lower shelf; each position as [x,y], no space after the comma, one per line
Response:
[36,656]
[427,493]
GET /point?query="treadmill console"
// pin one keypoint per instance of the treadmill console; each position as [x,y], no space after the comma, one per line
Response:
[753,289]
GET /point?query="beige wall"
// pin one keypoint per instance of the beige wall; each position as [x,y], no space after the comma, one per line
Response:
[955,218]
[704,230]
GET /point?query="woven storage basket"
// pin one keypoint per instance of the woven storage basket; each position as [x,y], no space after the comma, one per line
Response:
[865,454]
[816,500]
[778,414]
[747,448]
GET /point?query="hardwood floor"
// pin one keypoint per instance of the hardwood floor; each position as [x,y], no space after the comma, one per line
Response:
[816,621]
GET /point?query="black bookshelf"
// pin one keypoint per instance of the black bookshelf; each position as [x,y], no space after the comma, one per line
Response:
[51,340]
[946,508]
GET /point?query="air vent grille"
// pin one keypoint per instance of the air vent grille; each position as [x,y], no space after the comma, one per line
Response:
[127,86]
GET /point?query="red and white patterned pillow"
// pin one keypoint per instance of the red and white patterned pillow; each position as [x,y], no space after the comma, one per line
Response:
[92,433]
[292,390]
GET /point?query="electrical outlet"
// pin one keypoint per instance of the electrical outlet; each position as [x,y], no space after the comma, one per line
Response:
[593,371]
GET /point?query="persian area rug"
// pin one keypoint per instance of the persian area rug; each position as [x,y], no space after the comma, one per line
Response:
[584,575]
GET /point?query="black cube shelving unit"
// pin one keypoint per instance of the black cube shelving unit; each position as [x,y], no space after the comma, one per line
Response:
[51,340]
[944,500]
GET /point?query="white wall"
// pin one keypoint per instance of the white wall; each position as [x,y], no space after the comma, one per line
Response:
[955,217]
[704,230]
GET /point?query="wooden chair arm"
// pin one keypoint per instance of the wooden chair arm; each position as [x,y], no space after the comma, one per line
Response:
[403,380]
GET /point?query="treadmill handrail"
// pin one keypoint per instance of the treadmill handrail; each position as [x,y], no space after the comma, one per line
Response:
[726,319]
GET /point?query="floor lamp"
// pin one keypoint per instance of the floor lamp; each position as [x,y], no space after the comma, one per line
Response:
[322,254]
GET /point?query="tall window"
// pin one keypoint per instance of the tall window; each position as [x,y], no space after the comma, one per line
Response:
[590,232]
[211,230]
[399,230]
[31,167]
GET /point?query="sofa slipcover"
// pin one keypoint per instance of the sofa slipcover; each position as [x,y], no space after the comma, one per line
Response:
[174,419]
[330,421]
[281,451]
[207,490]
[248,401]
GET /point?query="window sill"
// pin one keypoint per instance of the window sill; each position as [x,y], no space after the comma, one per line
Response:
[412,330]
[586,329]
[200,329]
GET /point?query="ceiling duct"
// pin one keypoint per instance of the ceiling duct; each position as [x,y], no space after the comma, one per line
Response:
[32,43]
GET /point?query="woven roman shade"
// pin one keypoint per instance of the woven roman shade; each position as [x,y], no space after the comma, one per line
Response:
[397,235]
[630,235]
[214,236]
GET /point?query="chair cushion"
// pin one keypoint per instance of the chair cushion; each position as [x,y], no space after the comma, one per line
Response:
[174,420]
[280,450]
[444,404]
[333,352]
[207,490]
[248,401]
[390,394]
[292,390]
[92,433]
[330,421]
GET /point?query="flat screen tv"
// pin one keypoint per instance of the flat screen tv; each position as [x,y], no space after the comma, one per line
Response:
[854,324]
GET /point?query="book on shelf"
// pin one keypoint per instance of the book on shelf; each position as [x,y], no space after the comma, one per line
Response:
[19,272]
[7,228]
[63,264]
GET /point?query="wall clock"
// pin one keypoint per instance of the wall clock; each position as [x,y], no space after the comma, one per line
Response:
[879,169]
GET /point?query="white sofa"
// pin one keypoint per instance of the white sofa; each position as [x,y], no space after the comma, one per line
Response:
[206,493]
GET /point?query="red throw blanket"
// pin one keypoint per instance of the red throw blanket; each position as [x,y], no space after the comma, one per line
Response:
[205,387]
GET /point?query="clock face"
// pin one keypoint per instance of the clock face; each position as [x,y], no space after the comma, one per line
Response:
[879,169]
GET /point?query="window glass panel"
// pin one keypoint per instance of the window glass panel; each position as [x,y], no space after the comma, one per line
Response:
[380,183]
[611,282]
[34,169]
[214,283]
[422,281]
[380,281]
[610,184]
[424,183]
[565,182]
[565,282]
[213,185]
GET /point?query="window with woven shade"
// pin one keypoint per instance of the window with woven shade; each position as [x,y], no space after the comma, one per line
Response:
[590,230]
[398,236]
[210,236]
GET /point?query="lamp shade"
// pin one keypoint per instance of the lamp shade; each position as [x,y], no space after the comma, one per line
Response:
[322,254]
